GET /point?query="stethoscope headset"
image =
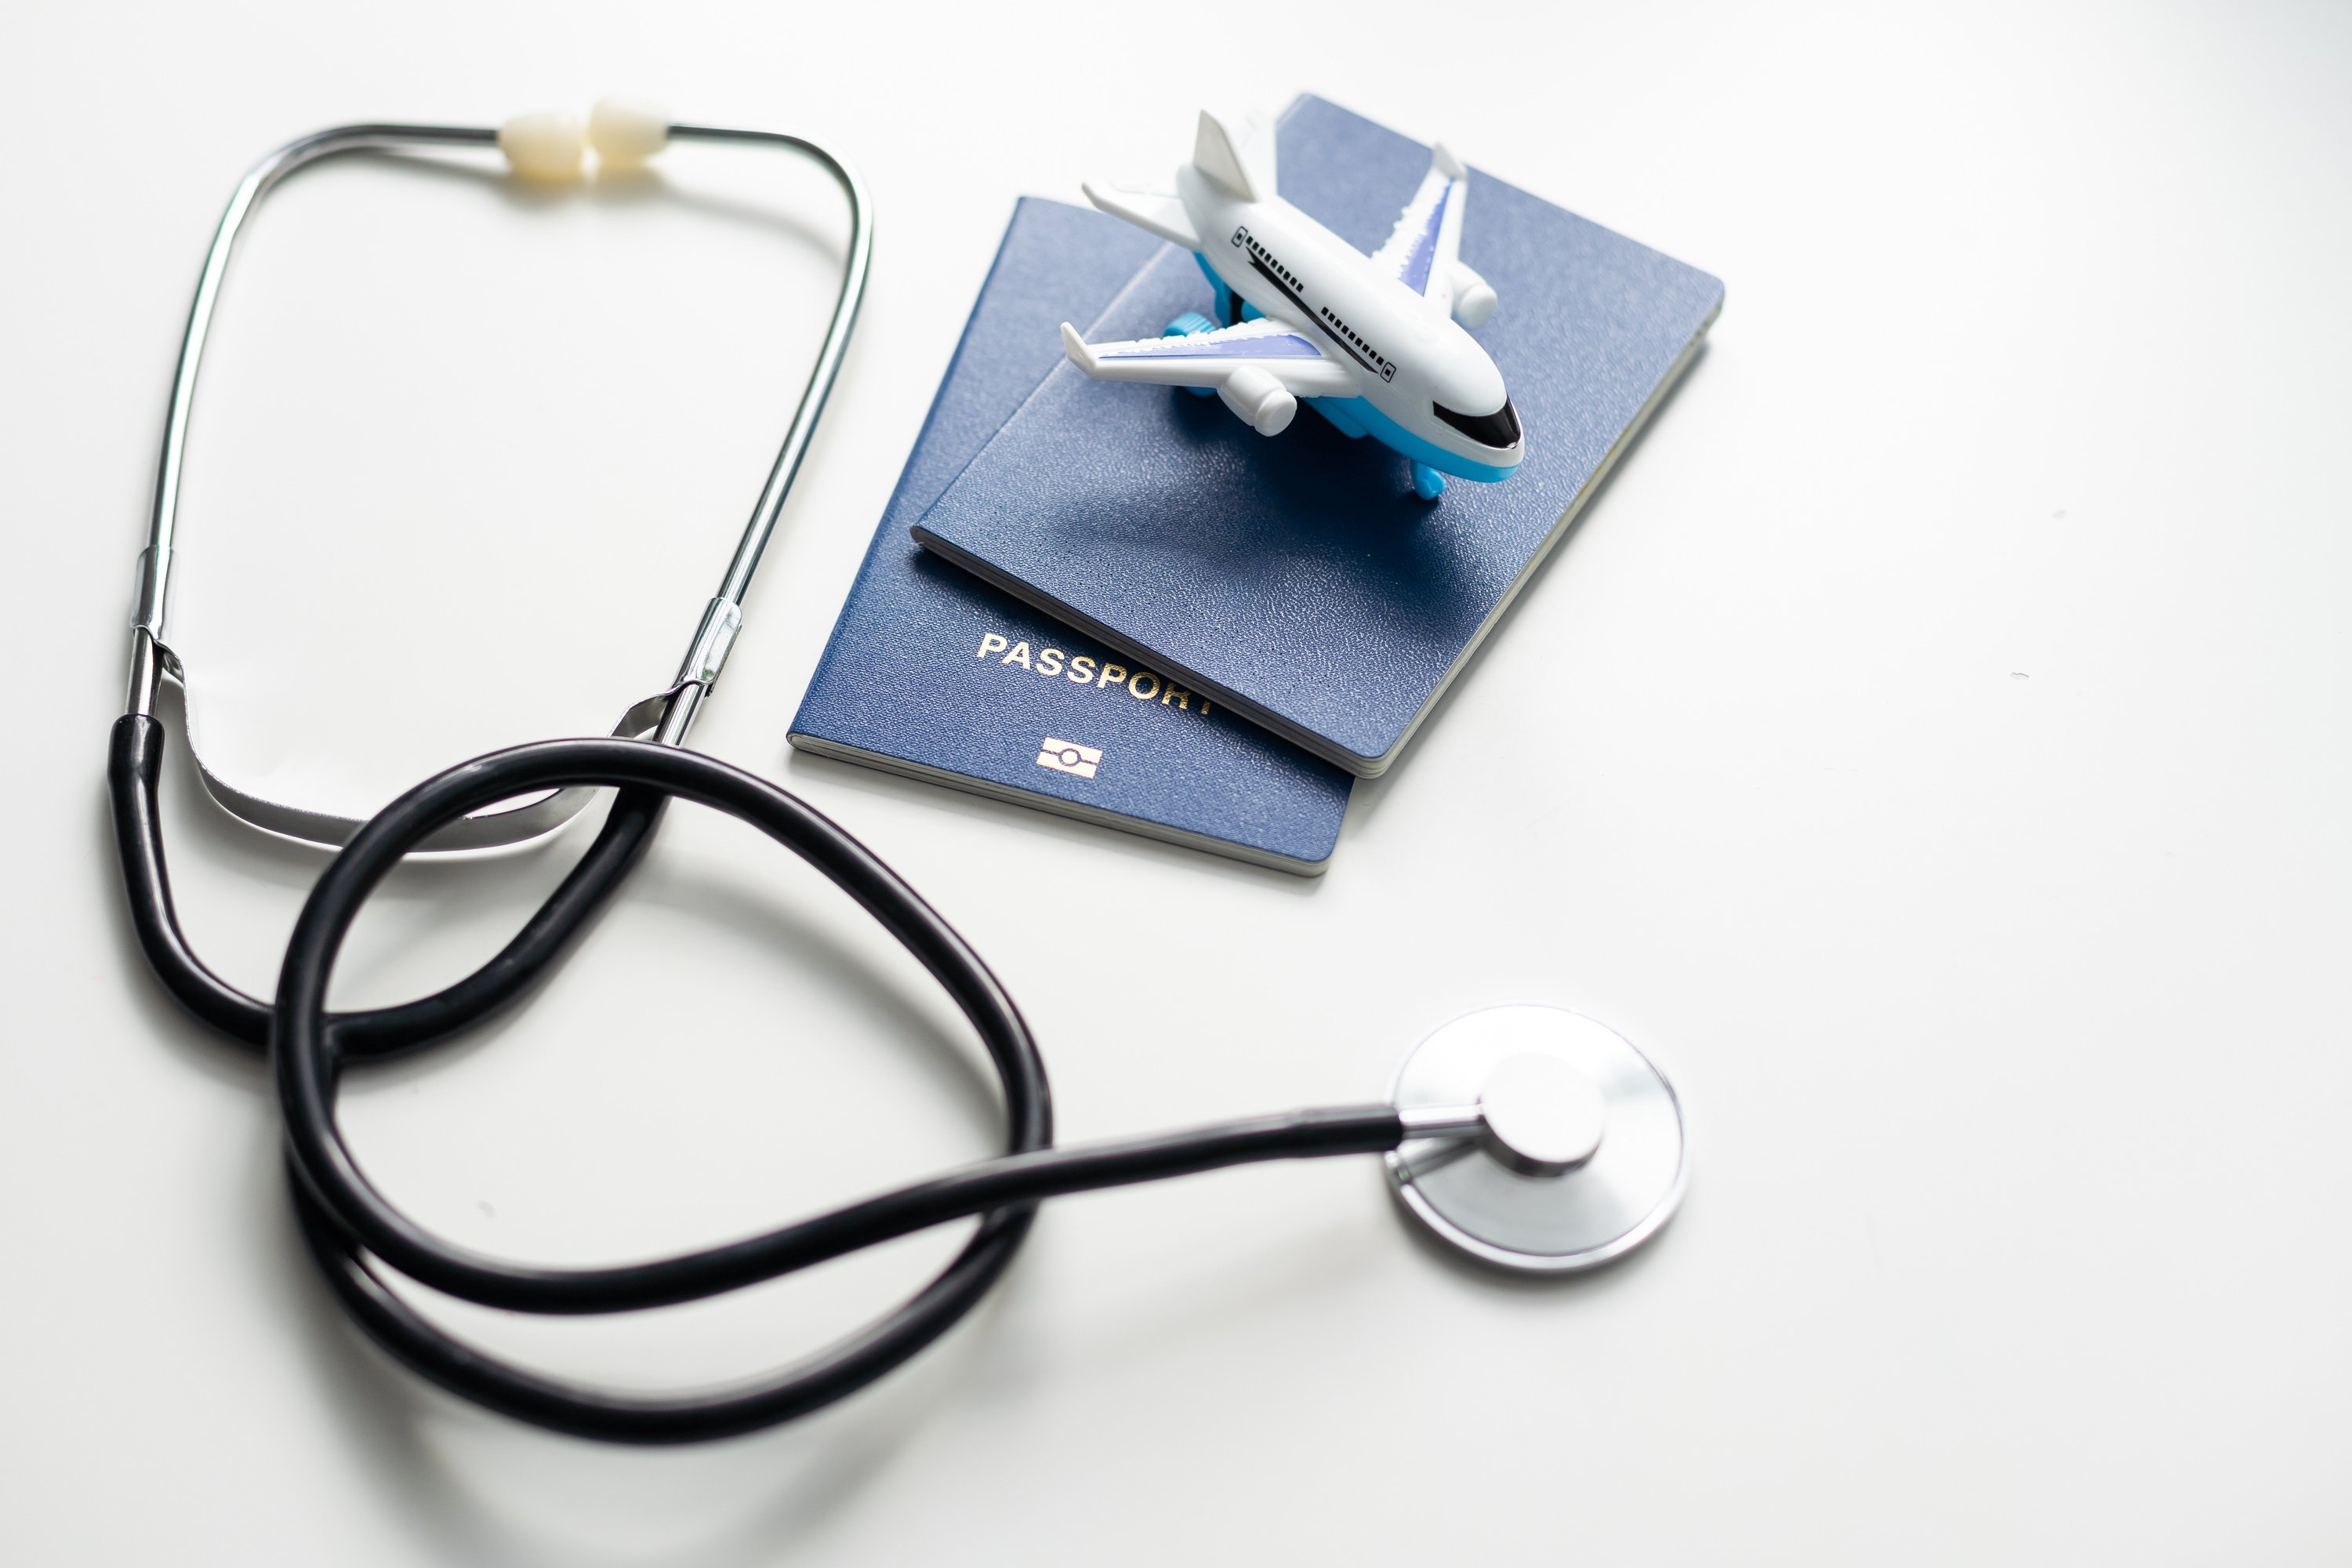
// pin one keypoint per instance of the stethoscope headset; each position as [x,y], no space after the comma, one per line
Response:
[1529,1137]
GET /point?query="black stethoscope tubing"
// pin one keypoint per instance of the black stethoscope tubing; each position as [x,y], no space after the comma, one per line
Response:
[356,1235]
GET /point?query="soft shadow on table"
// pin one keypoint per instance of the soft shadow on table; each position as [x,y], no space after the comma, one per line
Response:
[476,1488]
[1320,1267]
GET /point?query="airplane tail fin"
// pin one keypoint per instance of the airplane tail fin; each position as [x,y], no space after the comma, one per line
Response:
[1236,153]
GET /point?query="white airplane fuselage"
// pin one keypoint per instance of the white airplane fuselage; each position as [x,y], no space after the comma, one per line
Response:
[1410,359]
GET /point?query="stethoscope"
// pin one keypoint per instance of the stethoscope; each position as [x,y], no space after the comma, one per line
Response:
[1531,1138]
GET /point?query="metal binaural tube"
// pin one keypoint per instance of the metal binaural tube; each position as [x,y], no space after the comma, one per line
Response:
[771,503]
[155,562]
[151,656]
[707,654]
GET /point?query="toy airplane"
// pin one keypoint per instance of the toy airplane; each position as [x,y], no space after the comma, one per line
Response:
[1374,343]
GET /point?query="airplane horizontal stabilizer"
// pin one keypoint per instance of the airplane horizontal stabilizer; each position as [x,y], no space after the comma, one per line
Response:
[1151,211]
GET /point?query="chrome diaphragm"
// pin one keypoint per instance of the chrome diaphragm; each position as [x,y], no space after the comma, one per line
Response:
[1537,1139]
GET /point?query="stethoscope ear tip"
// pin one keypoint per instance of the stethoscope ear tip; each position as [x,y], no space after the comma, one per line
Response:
[1578,1155]
[551,144]
[626,133]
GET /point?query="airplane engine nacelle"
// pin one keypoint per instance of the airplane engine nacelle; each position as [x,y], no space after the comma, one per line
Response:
[1473,297]
[1264,404]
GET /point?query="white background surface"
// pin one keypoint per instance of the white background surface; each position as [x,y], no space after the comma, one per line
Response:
[1932,746]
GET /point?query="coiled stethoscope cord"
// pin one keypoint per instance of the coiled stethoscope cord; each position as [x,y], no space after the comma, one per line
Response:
[354,1231]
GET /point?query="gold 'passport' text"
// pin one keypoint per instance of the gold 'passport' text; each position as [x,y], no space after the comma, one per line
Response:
[1096,674]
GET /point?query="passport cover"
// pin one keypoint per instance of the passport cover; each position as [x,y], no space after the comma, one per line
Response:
[1297,578]
[933,674]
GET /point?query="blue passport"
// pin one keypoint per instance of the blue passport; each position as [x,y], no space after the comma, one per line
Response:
[932,673]
[1297,578]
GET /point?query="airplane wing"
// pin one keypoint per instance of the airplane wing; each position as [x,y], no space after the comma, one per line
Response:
[1424,250]
[1275,348]
[1259,369]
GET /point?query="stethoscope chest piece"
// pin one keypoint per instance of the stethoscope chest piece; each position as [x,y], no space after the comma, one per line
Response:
[1582,1157]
